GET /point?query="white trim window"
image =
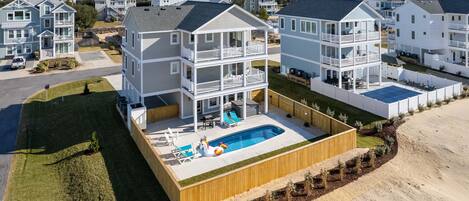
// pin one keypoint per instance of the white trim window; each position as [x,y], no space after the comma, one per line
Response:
[11,33]
[293,24]
[133,39]
[46,23]
[27,48]
[308,27]
[19,15]
[174,68]
[282,23]
[18,33]
[138,67]
[192,39]
[19,49]
[133,68]
[213,103]
[209,38]
[10,50]
[26,33]
[46,10]
[125,60]
[174,39]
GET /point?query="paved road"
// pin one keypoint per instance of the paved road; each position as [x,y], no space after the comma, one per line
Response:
[12,93]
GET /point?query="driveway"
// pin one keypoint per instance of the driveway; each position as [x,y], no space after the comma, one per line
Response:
[14,92]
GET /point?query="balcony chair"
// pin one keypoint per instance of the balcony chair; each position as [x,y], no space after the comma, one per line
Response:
[227,120]
[234,117]
[187,155]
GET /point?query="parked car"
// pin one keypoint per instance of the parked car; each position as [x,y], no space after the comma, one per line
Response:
[18,62]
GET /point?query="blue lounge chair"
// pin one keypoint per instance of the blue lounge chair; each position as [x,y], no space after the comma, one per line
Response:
[227,120]
[234,117]
[178,150]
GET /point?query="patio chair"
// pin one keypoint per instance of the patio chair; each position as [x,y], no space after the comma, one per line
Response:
[227,120]
[234,117]
[186,156]
[172,134]
[177,150]
[169,140]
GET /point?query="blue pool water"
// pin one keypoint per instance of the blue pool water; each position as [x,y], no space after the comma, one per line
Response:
[249,137]
[391,94]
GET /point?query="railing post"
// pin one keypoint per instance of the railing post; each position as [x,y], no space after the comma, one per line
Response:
[221,45]
[244,43]
[244,74]
[221,78]
[266,71]
[194,79]
[265,40]
[195,48]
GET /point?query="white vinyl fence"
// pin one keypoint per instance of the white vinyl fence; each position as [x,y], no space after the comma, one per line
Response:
[446,89]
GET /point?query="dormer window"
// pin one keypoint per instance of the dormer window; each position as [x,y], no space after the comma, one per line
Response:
[47,10]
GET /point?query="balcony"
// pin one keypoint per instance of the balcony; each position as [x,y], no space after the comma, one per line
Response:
[63,37]
[63,22]
[372,57]
[458,44]
[230,52]
[458,26]
[253,77]
[351,38]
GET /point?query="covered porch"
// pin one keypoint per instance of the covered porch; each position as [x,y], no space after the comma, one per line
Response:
[353,78]
[46,45]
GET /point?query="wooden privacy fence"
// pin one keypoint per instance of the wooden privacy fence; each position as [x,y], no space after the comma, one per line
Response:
[253,175]
[162,113]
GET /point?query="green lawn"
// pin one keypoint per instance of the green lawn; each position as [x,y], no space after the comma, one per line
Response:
[50,163]
[297,92]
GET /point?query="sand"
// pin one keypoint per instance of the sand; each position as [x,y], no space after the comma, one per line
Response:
[432,162]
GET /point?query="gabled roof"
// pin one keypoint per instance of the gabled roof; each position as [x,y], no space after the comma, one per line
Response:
[65,6]
[46,33]
[189,16]
[443,6]
[320,9]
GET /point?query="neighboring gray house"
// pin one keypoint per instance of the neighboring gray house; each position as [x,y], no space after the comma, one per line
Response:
[179,2]
[253,6]
[116,9]
[46,26]
[197,55]
[330,39]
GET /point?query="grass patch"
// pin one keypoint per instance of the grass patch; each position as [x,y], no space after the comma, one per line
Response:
[50,164]
[297,92]
[219,171]
[103,24]
[115,55]
[417,68]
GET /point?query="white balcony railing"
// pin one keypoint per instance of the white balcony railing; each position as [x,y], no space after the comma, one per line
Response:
[459,44]
[350,61]
[63,22]
[458,26]
[253,77]
[63,37]
[253,49]
[231,52]
[350,38]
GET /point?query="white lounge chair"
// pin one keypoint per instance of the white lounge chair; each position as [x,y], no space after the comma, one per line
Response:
[172,134]
[170,141]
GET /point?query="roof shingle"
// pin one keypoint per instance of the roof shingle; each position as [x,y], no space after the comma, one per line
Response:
[444,6]
[320,9]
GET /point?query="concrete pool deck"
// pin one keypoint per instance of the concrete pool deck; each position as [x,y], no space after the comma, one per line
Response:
[294,133]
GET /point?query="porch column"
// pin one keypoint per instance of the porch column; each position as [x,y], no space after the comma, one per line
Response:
[194,79]
[222,83]
[354,80]
[40,47]
[266,70]
[380,74]
[366,30]
[320,72]
[221,45]
[354,51]
[221,109]
[244,104]
[181,104]
[195,47]
[467,46]
[266,37]
[244,43]
[353,30]
[367,77]
[340,78]
[194,114]
[266,100]
[244,74]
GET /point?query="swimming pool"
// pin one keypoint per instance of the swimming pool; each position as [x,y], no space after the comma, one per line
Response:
[246,138]
[391,94]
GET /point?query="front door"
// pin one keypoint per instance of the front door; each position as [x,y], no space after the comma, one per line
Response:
[46,43]
[330,28]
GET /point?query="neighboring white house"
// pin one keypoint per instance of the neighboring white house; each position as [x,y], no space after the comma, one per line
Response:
[179,2]
[387,9]
[435,32]
[115,9]
[336,40]
[197,55]
[271,6]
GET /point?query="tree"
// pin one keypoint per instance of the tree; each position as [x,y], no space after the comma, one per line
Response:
[85,17]
[263,14]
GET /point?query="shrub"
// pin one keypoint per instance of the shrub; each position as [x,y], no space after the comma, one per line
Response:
[343,117]
[430,104]
[465,88]
[112,47]
[459,73]
[309,185]
[411,111]
[315,106]
[358,165]
[324,175]
[455,97]
[421,107]
[290,188]
[380,150]
[439,103]
[268,196]
[389,140]
[71,64]
[304,101]
[372,155]
[86,90]
[306,124]
[341,166]
[330,112]
[442,68]
[358,125]
[289,116]
[378,127]
[401,115]
[94,143]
